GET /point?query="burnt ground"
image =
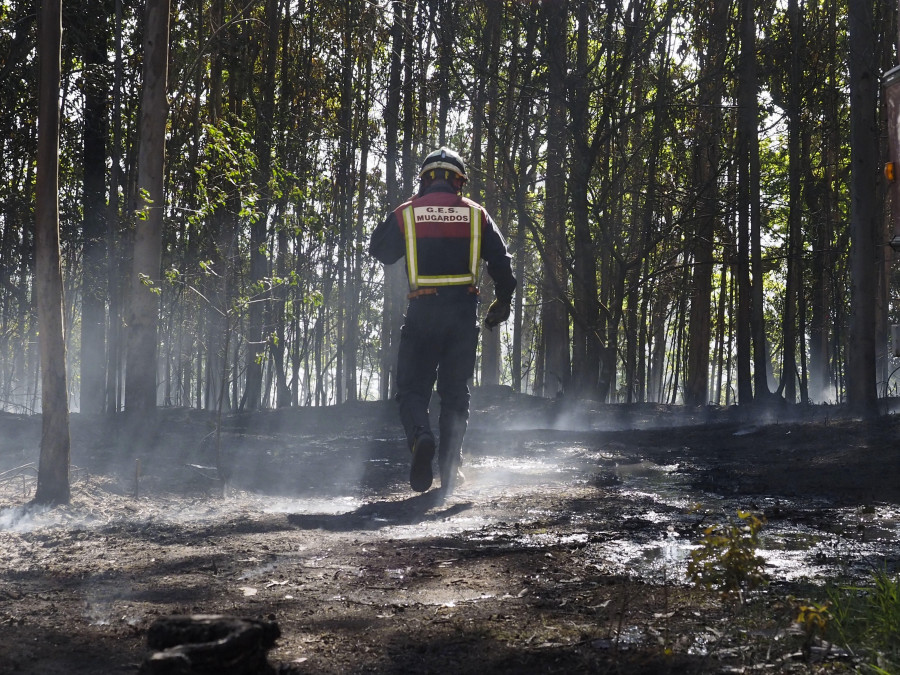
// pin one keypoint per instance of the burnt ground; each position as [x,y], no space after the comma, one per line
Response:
[565,551]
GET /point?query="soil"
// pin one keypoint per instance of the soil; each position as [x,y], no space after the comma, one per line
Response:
[564,551]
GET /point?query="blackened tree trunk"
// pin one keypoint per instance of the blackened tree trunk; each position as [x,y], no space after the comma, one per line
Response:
[861,392]
[259,266]
[795,236]
[140,383]
[749,311]
[823,307]
[554,318]
[394,275]
[707,161]
[490,339]
[114,264]
[53,469]
[94,275]
[750,108]
[586,326]
[356,280]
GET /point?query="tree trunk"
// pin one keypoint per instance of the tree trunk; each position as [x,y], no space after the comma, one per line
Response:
[824,259]
[259,265]
[356,263]
[140,383]
[114,265]
[394,275]
[707,161]
[586,342]
[490,339]
[554,318]
[280,346]
[94,275]
[861,392]
[795,236]
[53,469]
[747,212]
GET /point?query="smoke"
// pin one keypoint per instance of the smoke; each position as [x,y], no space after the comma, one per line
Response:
[22,519]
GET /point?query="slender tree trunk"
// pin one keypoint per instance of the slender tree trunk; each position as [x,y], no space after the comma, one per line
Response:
[394,275]
[280,345]
[490,339]
[747,140]
[259,264]
[140,383]
[524,148]
[750,106]
[586,315]
[823,257]
[94,275]
[707,160]
[220,243]
[795,236]
[861,392]
[446,35]
[356,280]
[53,469]
[114,271]
[554,317]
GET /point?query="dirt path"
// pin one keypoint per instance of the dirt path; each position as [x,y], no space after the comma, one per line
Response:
[564,552]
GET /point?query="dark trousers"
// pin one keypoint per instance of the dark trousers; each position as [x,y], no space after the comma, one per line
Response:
[437,344]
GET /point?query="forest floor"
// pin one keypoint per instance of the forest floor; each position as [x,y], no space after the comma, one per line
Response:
[565,551]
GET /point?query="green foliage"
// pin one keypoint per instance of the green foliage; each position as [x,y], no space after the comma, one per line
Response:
[147,201]
[866,620]
[726,559]
[147,282]
[225,170]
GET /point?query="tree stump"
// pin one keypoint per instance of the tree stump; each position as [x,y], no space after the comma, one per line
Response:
[209,645]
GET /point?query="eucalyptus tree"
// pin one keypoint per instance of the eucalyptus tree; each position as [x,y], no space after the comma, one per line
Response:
[93,38]
[260,269]
[861,392]
[53,468]
[141,385]
[554,318]
[751,346]
[482,166]
[793,282]
[587,327]
[395,131]
[711,24]
[114,238]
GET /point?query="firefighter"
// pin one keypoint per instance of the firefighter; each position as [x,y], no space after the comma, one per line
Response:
[444,236]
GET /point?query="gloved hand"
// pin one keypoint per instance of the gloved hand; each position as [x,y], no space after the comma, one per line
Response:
[498,312]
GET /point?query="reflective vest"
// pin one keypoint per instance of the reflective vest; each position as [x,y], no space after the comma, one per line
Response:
[442,232]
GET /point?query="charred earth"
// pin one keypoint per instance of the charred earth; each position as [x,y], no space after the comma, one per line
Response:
[565,551]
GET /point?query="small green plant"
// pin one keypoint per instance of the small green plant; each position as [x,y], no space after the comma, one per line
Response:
[726,559]
[866,620]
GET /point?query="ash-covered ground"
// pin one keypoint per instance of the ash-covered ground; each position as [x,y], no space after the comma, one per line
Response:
[565,551]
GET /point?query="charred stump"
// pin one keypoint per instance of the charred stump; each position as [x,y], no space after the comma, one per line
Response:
[208,645]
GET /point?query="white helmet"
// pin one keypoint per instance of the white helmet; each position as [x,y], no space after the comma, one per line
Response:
[446,159]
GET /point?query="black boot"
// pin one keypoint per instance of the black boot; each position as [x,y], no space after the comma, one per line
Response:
[453,430]
[420,476]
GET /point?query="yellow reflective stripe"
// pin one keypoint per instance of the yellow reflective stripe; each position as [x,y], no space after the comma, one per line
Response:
[475,244]
[412,263]
[455,280]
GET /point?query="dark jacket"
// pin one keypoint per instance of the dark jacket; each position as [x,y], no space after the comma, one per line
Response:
[442,246]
